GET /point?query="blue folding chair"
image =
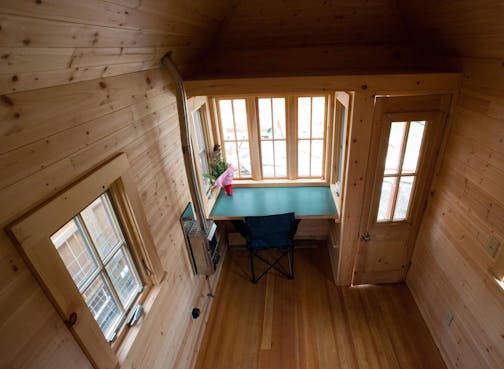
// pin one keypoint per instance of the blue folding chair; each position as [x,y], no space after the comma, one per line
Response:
[270,232]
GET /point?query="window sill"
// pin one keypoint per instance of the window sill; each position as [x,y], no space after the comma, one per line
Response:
[130,337]
[279,182]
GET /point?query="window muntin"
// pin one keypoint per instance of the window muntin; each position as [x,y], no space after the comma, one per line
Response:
[273,137]
[234,125]
[97,257]
[401,165]
[310,136]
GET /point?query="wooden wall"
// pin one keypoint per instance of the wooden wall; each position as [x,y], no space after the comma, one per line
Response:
[78,84]
[458,297]
[450,279]
[61,133]
[52,42]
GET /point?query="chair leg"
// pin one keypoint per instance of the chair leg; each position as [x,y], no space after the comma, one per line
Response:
[251,253]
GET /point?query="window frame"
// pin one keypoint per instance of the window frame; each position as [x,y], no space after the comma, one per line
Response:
[257,129]
[31,234]
[202,109]
[101,262]
[211,133]
[252,108]
[249,140]
[310,139]
[401,173]
[341,111]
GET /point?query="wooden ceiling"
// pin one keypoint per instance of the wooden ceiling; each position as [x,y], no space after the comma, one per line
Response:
[298,23]
[51,42]
[469,28]
[463,27]
[263,37]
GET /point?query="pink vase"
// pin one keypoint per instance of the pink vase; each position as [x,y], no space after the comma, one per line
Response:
[229,189]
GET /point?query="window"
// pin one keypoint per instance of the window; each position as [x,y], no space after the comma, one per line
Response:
[201,149]
[91,249]
[284,139]
[97,256]
[273,137]
[403,154]
[342,108]
[311,130]
[234,128]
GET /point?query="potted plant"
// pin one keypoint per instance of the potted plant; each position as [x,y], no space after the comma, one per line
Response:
[220,173]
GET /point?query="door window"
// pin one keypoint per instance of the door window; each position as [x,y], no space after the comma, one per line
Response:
[401,166]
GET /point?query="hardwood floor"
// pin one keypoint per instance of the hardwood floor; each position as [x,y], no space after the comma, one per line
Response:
[309,323]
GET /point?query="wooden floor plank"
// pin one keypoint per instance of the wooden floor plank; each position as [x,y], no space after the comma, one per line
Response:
[268,314]
[310,323]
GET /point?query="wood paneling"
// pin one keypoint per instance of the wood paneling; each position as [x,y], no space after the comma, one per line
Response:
[54,42]
[450,278]
[364,84]
[472,28]
[310,323]
[295,23]
[61,133]
[312,60]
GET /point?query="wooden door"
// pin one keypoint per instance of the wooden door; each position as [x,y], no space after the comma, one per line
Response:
[403,154]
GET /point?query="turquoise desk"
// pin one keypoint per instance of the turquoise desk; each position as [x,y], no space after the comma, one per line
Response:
[306,202]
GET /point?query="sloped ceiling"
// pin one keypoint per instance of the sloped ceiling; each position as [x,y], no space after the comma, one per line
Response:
[463,27]
[296,23]
[51,42]
[468,28]
[300,36]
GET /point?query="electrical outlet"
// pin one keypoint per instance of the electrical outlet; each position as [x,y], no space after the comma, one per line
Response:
[493,245]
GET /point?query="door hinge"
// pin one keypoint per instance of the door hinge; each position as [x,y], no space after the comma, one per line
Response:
[365,237]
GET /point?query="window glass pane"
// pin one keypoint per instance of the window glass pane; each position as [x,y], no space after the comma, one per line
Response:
[317,151]
[386,199]
[100,301]
[304,158]
[318,114]
[226,115]
[240,114]
[279,117]
[75,252]
[403,197]
[267,158]
[265,118]
[203,161]
[123,278]
[414,143]
[102,225]
[200,135]
[201,149]
[243,151]
[304,114]
[394,147]
[231,158]
[280,159]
